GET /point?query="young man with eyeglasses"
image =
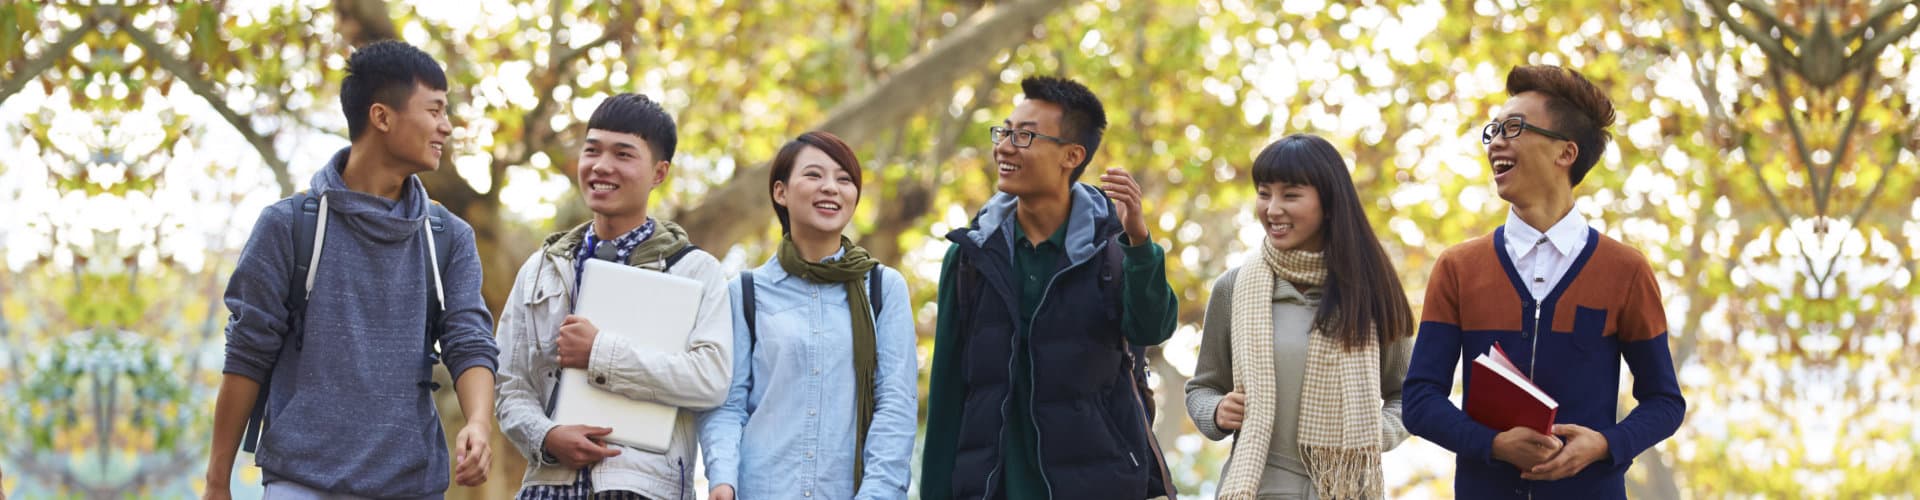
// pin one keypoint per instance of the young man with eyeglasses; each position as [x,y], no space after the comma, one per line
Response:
[1563,301]
[1044,302]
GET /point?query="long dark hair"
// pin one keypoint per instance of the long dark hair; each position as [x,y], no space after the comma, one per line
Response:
[783,165]
[1362,289]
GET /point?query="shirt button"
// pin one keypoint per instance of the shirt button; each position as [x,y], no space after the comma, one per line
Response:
[600,380]
[807,494]
[816,371]
[809,454]
[810,413]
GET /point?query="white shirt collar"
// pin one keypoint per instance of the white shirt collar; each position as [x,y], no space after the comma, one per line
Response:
[1565,235]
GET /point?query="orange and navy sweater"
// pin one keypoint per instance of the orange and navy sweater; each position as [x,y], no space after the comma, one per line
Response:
[1606,308]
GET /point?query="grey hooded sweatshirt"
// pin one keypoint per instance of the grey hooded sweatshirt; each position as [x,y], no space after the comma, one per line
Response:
[349,409]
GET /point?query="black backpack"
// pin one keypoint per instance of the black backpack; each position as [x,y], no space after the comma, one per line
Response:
[305,232]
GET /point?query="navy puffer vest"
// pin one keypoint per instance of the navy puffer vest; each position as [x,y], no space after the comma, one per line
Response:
[1092,427]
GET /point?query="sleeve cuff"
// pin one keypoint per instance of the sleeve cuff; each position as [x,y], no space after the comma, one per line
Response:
[1136,253]
[1486,448]
[540,454]
[488,362]
[245,366]
[1616,449]
[606,351]
[716,479]
[1201,405]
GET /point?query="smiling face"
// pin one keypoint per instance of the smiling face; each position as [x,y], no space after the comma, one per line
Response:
[415,133]
[1290,214]
[819,194]
[1044,166]
[1531,165]
[617,172]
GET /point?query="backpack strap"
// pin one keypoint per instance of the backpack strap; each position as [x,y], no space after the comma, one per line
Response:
[746,306]
[1111,279]
[873,294]
[677,255]
[440,246]
[307,229]
[441,242]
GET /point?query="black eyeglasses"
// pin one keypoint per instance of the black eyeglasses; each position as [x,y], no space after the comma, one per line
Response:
[1022,137]
[1511,127]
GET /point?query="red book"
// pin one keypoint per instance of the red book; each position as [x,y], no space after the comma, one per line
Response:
[1502,398]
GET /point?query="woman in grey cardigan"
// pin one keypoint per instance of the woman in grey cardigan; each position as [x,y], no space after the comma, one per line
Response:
[1305,346]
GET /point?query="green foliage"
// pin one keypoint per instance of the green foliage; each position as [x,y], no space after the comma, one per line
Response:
[1788,305]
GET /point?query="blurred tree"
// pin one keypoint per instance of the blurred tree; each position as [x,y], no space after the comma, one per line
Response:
[1757,163]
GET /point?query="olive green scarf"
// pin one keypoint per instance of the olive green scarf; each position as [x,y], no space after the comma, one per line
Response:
[851,270]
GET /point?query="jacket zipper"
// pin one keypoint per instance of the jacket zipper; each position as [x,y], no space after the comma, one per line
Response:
[1533,359]
[1039,448]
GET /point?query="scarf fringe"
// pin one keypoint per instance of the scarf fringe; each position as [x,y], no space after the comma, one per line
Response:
[1341,473]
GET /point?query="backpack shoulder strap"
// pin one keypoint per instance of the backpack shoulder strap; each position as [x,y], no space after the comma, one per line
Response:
[304,229]
[677,255]
[874,297]
[306,222]
[437,217]
[747,309]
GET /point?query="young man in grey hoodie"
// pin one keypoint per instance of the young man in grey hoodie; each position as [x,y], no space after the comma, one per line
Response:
[349,401]
[628,150]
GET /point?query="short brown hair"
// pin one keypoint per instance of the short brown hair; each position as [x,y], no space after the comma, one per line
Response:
[1580,110]
[790,153]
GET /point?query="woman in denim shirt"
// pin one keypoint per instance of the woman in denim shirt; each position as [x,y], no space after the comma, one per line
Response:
[796,422]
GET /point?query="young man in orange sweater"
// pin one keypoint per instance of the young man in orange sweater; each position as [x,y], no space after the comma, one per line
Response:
[1565,302]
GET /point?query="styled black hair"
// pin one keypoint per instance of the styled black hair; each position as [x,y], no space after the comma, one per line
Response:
[1082,118]
[385,72]
[1363,293]
[635,114]
[1579,108]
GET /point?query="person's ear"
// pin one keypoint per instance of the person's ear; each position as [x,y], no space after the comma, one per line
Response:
[780,193]
[381,117]
[1568,155]
[660,170]
[1075,153]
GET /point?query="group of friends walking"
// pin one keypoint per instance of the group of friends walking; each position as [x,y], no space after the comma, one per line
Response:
[799,379]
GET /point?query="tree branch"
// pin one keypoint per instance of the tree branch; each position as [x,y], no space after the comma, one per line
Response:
[1760,179]
[32,69]
[1840,153]
[1870,49]
[183,71]
[1773,48]
[716,223]
[1767,16]
[364,21]
[1879,14]
[1799,137]
[534,128]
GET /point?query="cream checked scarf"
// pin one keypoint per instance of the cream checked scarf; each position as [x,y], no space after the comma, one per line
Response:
[1339,402]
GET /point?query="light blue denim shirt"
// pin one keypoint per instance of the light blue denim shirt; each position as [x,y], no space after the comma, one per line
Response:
[787,428]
